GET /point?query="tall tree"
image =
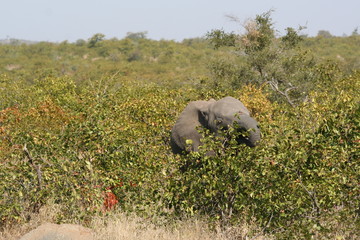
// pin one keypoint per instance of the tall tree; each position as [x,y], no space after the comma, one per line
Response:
[277,62]
[94,40]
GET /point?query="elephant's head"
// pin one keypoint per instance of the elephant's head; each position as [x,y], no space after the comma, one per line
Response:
[231,112]
[214,115]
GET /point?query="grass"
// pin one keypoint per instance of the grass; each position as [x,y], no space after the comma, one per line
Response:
[119,225]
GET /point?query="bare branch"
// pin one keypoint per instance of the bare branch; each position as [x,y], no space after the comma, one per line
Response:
[267,225]
[275,86]
[312,196]
[37,168]
[232,18]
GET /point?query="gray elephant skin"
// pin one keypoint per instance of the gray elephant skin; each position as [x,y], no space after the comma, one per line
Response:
[213,115]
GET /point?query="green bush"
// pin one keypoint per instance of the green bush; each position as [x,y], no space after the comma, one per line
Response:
[87,122]
[306,169]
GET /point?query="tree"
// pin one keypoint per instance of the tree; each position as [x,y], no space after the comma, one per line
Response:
[355,32]
[324,34]
[137,35]
[264,59]
[94,40]
[80,42]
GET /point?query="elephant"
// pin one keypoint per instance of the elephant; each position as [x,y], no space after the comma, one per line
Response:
[213,115]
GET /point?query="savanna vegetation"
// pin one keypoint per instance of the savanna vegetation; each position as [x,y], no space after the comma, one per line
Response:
[85,127]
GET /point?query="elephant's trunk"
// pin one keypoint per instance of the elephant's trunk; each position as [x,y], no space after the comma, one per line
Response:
[254,137]
[250,126]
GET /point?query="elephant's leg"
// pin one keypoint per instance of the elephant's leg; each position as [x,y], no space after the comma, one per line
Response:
[175,147]
[195,146]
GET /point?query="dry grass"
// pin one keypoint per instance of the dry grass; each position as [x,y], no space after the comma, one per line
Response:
[46,214]
[121,226]
[116,226]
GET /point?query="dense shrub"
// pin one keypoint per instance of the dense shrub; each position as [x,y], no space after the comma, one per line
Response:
[305,170]
[90,133]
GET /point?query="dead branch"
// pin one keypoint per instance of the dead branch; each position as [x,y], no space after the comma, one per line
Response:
[312,195]
[275,86]
[263,230]
[37,168]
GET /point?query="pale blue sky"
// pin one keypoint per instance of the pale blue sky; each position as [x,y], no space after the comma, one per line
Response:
[59,20]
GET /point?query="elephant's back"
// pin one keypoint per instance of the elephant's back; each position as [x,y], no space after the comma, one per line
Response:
[231,104]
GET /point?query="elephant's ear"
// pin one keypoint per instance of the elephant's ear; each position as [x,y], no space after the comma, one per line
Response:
[204,111]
